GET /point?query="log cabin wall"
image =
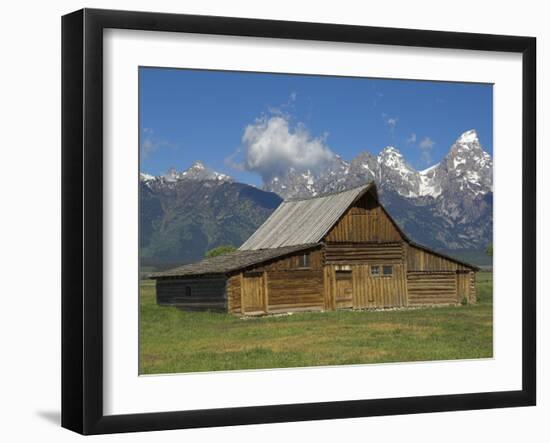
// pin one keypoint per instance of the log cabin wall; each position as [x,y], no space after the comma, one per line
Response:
[436,280]
[421,260]
[285,285]
[197,293]
[292,262]
[432,288]
[371,252]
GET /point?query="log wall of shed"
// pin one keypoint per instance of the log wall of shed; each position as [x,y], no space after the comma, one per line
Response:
[198,293]
[421,260]
[436,280]
[432,288]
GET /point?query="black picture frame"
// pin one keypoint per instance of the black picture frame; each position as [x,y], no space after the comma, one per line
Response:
[82,217]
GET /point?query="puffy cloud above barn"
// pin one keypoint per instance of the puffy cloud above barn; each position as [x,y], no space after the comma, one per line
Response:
[272,145]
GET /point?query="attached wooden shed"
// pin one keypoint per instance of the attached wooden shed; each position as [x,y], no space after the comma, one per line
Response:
[338,251]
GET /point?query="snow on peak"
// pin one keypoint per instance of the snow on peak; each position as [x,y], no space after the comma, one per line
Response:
[308,177]
[393,159]
[427,170]
[197,171]
[428,185]
[468,137]
[171,175]
[391,150]
[222,177]
[198,165]
[146,177]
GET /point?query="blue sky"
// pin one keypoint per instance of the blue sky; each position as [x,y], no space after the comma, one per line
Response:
[246,124]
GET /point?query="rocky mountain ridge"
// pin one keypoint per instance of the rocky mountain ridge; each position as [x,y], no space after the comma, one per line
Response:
[447,206]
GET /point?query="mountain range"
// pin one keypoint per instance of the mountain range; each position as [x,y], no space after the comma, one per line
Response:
[448,206]
[182,215]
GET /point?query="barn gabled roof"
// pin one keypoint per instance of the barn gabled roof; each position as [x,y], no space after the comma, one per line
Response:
[232,261]
[307,220]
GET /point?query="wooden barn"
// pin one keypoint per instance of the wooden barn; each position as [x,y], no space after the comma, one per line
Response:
[338,251]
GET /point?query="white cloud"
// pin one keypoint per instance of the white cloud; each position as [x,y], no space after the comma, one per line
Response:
[412,138]
[271,146]
[151,143]
[148,146]
[426,145]
[390,121]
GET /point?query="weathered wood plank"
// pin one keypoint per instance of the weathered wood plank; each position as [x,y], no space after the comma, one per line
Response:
[365,221]
[421,260]
[210,293]
[432,288]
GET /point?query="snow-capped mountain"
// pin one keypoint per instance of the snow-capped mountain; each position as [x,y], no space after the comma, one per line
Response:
[186,214]
[448,205]
[466,169]
[396,174]
[197,171]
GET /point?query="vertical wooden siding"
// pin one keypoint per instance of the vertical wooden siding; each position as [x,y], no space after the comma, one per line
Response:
[366,221]
[463,286]
[253,293]
[234,294]
[369,291]
[295,290]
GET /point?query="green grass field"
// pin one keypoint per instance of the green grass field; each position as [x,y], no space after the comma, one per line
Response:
[175,341]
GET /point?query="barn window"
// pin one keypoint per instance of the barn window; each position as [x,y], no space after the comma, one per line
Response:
[387,270]
[188,291]
[303,260]
[375,271]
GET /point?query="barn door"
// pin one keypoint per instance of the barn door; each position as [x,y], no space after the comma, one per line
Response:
[344,293]
[462,286]
[253,293]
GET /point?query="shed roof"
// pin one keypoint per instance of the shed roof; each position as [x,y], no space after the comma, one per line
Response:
[302,221]
[232,261]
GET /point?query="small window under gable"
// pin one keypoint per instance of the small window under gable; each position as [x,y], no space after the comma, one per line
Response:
[387,270]
[304,260]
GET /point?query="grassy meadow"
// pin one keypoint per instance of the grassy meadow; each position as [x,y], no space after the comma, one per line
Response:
[175,341]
